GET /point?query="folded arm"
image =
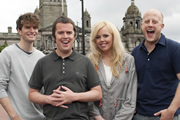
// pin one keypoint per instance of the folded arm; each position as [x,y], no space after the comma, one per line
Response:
[59,98]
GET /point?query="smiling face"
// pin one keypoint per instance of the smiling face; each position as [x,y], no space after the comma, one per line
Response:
[104,40]
[28,32]
[64,35]
[152,25]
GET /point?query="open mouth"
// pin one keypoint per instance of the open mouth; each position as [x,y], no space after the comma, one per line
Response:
[150,33]
[103,44]
[65,41]
[31,35]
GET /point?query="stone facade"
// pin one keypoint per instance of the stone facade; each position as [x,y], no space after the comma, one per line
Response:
[49,10]
[9,37]
[131,30]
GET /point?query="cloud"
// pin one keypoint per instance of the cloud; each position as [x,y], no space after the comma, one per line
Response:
[172,26]
[111,10]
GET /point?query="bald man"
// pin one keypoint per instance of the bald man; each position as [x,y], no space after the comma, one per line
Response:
[157,61]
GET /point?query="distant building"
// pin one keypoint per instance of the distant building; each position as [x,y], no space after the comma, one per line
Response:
[9,37]
[50,10]
[131,30]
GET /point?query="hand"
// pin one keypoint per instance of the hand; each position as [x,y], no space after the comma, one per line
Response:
[17,118]
[166,114]
[66,96]
[99,117]
[55,98]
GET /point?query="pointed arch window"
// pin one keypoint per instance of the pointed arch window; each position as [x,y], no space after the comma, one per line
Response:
[131,23]
[137,24]
[49,42]
[87,23]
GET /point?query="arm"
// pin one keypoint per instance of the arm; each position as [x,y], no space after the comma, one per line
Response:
[38,98]
[59,98]
[93,95]
[5,68]
[93,111]
[67,96]
[175,104]
[6,104]
[99,117]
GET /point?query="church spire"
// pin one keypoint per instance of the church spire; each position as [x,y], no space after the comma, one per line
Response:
[132,2]
[64,8]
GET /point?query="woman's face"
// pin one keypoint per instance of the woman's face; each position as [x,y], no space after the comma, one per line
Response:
[104,40]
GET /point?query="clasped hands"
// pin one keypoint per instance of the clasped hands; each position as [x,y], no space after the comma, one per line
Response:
[60,98]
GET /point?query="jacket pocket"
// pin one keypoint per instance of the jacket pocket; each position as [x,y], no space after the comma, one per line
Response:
[118,103]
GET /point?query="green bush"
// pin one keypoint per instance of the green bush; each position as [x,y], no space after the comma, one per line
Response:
[2,47]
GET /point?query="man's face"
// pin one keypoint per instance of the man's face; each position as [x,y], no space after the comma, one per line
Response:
[64,38]
[28,33]
[152,25]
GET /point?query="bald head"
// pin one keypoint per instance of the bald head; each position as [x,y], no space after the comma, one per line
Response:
[156,12]
[152,25]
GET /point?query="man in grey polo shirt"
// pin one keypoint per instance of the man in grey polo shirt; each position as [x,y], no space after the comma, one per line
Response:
[69,78]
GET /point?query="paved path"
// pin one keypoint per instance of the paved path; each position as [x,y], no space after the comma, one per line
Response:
[3,114]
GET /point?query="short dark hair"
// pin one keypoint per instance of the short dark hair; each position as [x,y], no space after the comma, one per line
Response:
[62,19]
[27,18]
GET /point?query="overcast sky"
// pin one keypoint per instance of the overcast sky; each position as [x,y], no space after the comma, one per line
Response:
[111,10]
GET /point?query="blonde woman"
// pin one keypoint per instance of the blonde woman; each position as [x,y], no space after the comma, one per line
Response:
[116,71]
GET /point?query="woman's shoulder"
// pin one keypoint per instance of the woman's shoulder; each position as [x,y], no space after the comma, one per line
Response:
[128,57]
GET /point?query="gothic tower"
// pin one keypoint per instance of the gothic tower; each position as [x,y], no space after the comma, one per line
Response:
[87,21]
[131,31]
[64,9]
[50,10]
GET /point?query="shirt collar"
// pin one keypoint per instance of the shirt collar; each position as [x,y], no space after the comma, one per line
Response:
[160,42]
[55,56]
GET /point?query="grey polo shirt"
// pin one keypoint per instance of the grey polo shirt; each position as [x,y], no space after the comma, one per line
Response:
[75,72]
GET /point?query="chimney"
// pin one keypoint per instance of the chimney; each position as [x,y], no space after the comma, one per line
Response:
[9,29]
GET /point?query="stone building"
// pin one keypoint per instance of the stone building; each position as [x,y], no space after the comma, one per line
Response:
[131,30]
[49,10]
[9,37]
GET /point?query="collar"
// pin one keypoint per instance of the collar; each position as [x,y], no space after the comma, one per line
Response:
[29,53]
[55,56]
[162,41]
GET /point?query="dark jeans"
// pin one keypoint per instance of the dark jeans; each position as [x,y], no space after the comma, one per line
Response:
[141,117]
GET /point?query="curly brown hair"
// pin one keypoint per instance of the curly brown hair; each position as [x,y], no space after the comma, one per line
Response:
[27,18]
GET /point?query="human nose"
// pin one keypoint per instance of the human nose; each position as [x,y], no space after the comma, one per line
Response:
[65,35]
[150,23]
[101,39]
[31,29]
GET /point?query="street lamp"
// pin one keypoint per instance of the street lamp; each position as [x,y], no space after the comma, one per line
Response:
[83,39]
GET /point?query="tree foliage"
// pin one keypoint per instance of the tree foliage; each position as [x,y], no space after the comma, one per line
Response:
[3,46]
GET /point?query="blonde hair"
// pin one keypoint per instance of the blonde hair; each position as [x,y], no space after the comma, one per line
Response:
[118,50]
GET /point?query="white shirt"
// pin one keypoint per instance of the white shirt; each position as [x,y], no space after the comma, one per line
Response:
[108,74]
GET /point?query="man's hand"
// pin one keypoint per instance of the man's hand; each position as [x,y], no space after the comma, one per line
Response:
[99,117]
[17,118]
[165,114]
[59,98]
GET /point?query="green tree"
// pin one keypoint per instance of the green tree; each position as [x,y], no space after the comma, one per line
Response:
[3,46]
